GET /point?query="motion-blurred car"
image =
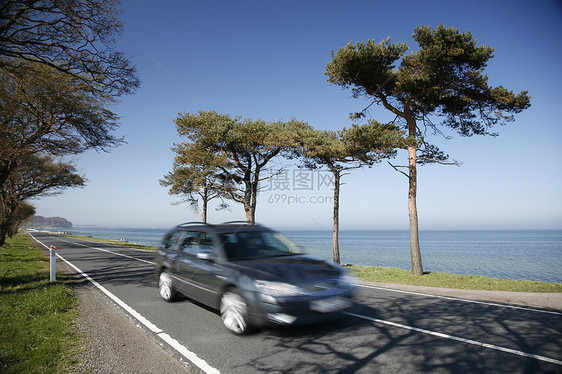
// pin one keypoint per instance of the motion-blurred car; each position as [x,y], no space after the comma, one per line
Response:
[253,275]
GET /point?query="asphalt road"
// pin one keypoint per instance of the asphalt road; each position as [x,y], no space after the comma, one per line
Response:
[391,332]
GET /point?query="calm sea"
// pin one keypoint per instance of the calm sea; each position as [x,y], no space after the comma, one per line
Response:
[521,254]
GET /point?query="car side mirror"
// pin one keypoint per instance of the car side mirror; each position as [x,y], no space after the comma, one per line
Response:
[208,256]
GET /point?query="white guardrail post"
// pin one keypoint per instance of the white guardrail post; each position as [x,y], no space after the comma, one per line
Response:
[53,252]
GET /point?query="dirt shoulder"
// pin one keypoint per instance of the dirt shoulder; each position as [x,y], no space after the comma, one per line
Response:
[114,342]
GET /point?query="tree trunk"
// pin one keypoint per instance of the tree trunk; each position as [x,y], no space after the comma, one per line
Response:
[6,168]
[5,212]
[205,203]
[415,253]
[336,216]
[254,200]
[250,202]
[250,213]
[5,223]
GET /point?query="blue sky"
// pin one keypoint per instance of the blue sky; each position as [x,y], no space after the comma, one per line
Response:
[266,60]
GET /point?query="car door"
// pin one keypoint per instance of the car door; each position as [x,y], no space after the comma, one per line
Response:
[207,275]
[185,267]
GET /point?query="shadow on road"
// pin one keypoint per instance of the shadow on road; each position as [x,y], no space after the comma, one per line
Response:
[355,345]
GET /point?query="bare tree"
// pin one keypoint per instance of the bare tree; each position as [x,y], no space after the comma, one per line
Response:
[73,36]
[33,176]
[60,72]
[44,111]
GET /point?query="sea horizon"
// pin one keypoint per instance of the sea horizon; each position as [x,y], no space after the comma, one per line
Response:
[281,228]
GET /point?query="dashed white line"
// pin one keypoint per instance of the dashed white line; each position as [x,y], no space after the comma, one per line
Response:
[458,339]
[116,253]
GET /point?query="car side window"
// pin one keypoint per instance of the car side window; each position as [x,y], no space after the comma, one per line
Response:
[189,242]
[206,243]
[230,244]
[170,239]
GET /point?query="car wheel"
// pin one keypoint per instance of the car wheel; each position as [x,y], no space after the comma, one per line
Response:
[165,286]
[234,312]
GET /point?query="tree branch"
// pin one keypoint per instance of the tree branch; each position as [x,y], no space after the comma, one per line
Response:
[450,163]
[395,167]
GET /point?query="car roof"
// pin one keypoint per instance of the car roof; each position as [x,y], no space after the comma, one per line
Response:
[223,227]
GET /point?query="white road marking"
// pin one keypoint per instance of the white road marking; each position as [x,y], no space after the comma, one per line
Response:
[181,349]
[115,253]
[459,339]
[464,300]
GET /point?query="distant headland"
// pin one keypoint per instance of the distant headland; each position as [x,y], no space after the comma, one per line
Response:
[40,222]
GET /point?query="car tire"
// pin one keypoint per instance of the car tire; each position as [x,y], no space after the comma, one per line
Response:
[234,312]
[166,287]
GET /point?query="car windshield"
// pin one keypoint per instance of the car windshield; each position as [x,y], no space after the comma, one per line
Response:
[255,244]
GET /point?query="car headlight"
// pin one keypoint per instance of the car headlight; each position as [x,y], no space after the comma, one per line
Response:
[278,288]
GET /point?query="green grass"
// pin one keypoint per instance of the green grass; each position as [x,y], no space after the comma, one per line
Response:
[113,242]
[37,318]
[444,280]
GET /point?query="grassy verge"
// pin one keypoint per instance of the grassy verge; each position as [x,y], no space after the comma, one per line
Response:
[37,330]
[113,242]
[444,280]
